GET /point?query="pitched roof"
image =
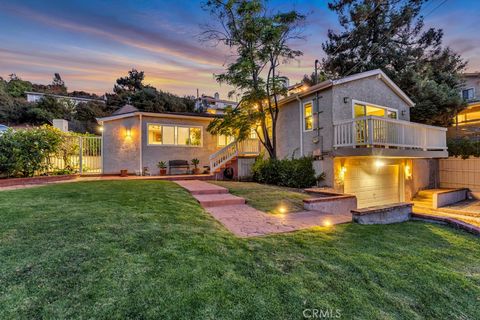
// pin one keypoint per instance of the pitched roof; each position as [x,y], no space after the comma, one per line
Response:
[177,115]
[125,109]
[330,83]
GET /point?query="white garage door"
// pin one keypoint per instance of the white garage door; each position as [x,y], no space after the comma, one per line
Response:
[372,185]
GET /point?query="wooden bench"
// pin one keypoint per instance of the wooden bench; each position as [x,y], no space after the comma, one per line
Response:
[178,164]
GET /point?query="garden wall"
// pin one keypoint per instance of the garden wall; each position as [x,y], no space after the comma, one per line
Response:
[459,173]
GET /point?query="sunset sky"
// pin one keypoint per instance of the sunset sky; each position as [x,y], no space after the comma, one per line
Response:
[92,43]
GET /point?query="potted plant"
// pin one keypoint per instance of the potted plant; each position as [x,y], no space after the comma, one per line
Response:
[162,165]
[195,163]
[124,173]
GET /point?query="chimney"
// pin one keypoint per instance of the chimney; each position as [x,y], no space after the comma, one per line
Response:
[216,96]
[60,124]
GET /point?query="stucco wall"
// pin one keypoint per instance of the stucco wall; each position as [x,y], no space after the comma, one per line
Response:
[152,154]
[121,152]
[290,124]
[372,90]
[424,176]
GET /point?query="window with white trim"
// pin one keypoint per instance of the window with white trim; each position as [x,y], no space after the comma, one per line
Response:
[164,134]
[223,140]
[308,116]
[468,94]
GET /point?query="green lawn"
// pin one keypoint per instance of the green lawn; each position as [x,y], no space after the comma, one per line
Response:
[266,197]
[145,249]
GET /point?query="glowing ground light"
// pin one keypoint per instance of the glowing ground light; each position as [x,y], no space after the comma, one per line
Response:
[327,223]
[282,209]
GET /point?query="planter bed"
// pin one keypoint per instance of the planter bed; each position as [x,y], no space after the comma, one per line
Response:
[10,182]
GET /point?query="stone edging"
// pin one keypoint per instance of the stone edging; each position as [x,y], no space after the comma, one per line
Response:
[448,221]
[11,182]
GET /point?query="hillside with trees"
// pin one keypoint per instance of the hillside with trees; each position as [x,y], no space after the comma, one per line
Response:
[15,110]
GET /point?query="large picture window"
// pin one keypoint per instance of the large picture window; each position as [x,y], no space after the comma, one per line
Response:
[170,135]
[363,109]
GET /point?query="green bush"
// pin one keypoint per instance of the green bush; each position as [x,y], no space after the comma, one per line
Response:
[25,152]
[294,173]
[463,148]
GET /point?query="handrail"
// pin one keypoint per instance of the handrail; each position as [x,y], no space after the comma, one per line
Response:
[408,123]
[233,149]
[372,130]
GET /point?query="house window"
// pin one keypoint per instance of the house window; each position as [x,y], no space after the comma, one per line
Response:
[468,94]
[362,110]
[223,140]
[174,135]
[307,117]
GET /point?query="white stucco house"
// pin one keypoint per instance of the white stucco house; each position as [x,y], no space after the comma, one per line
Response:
[37,96]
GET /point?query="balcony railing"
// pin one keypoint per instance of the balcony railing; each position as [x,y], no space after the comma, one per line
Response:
[374,131]
[249,147]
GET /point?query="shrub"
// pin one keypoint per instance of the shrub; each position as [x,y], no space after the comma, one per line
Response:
[294,173]
[463,148]
[25,152]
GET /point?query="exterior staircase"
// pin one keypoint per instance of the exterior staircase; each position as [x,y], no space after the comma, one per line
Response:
[424,199]
[224,156]
[210,195]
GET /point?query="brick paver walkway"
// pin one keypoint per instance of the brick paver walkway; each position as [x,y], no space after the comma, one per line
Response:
[245,221]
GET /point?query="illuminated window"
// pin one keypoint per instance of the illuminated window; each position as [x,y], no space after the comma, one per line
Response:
[174,135]
[223,140]
[362,110]
[253,134]
[307,116]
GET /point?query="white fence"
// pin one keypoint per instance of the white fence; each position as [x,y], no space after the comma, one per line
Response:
[81,155]
[377,131]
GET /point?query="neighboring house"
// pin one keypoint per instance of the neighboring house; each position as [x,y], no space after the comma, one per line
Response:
[213,105]
[467,122]
[37,96]
[133,140]
[357,129]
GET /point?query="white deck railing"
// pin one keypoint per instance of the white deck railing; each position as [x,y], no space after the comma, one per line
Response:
[376,131]
[234,149]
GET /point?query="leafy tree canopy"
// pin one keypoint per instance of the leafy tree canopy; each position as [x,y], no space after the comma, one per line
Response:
[390,35]
[260,40]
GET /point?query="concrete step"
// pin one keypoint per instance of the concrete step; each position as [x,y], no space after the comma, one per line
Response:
[424,204]
[196,187]
[218,200]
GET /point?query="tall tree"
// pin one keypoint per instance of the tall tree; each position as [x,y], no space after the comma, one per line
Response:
[260,41]
[132,83]
[390,35]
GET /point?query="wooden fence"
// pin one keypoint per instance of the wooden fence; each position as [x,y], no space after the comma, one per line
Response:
[458,173]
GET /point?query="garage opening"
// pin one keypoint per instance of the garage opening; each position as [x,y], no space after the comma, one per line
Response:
[374,182]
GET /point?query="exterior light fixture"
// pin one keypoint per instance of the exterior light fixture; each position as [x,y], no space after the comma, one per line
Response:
[379,163]
[327,223]
[343,171]
[345,99]
[408,172]
[100,128]
[128,133]
[282,209]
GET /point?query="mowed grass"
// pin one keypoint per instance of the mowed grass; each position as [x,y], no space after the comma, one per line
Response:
[266,197]
[146,250]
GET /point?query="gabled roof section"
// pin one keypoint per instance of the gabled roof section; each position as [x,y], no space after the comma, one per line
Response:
[382,76]
[128,108]
[331,83]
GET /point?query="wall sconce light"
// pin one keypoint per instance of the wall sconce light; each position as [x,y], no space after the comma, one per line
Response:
[343,171]
[100,128]
[403,112]
[379,163]
[128,133]
[408,172]
[345,99]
